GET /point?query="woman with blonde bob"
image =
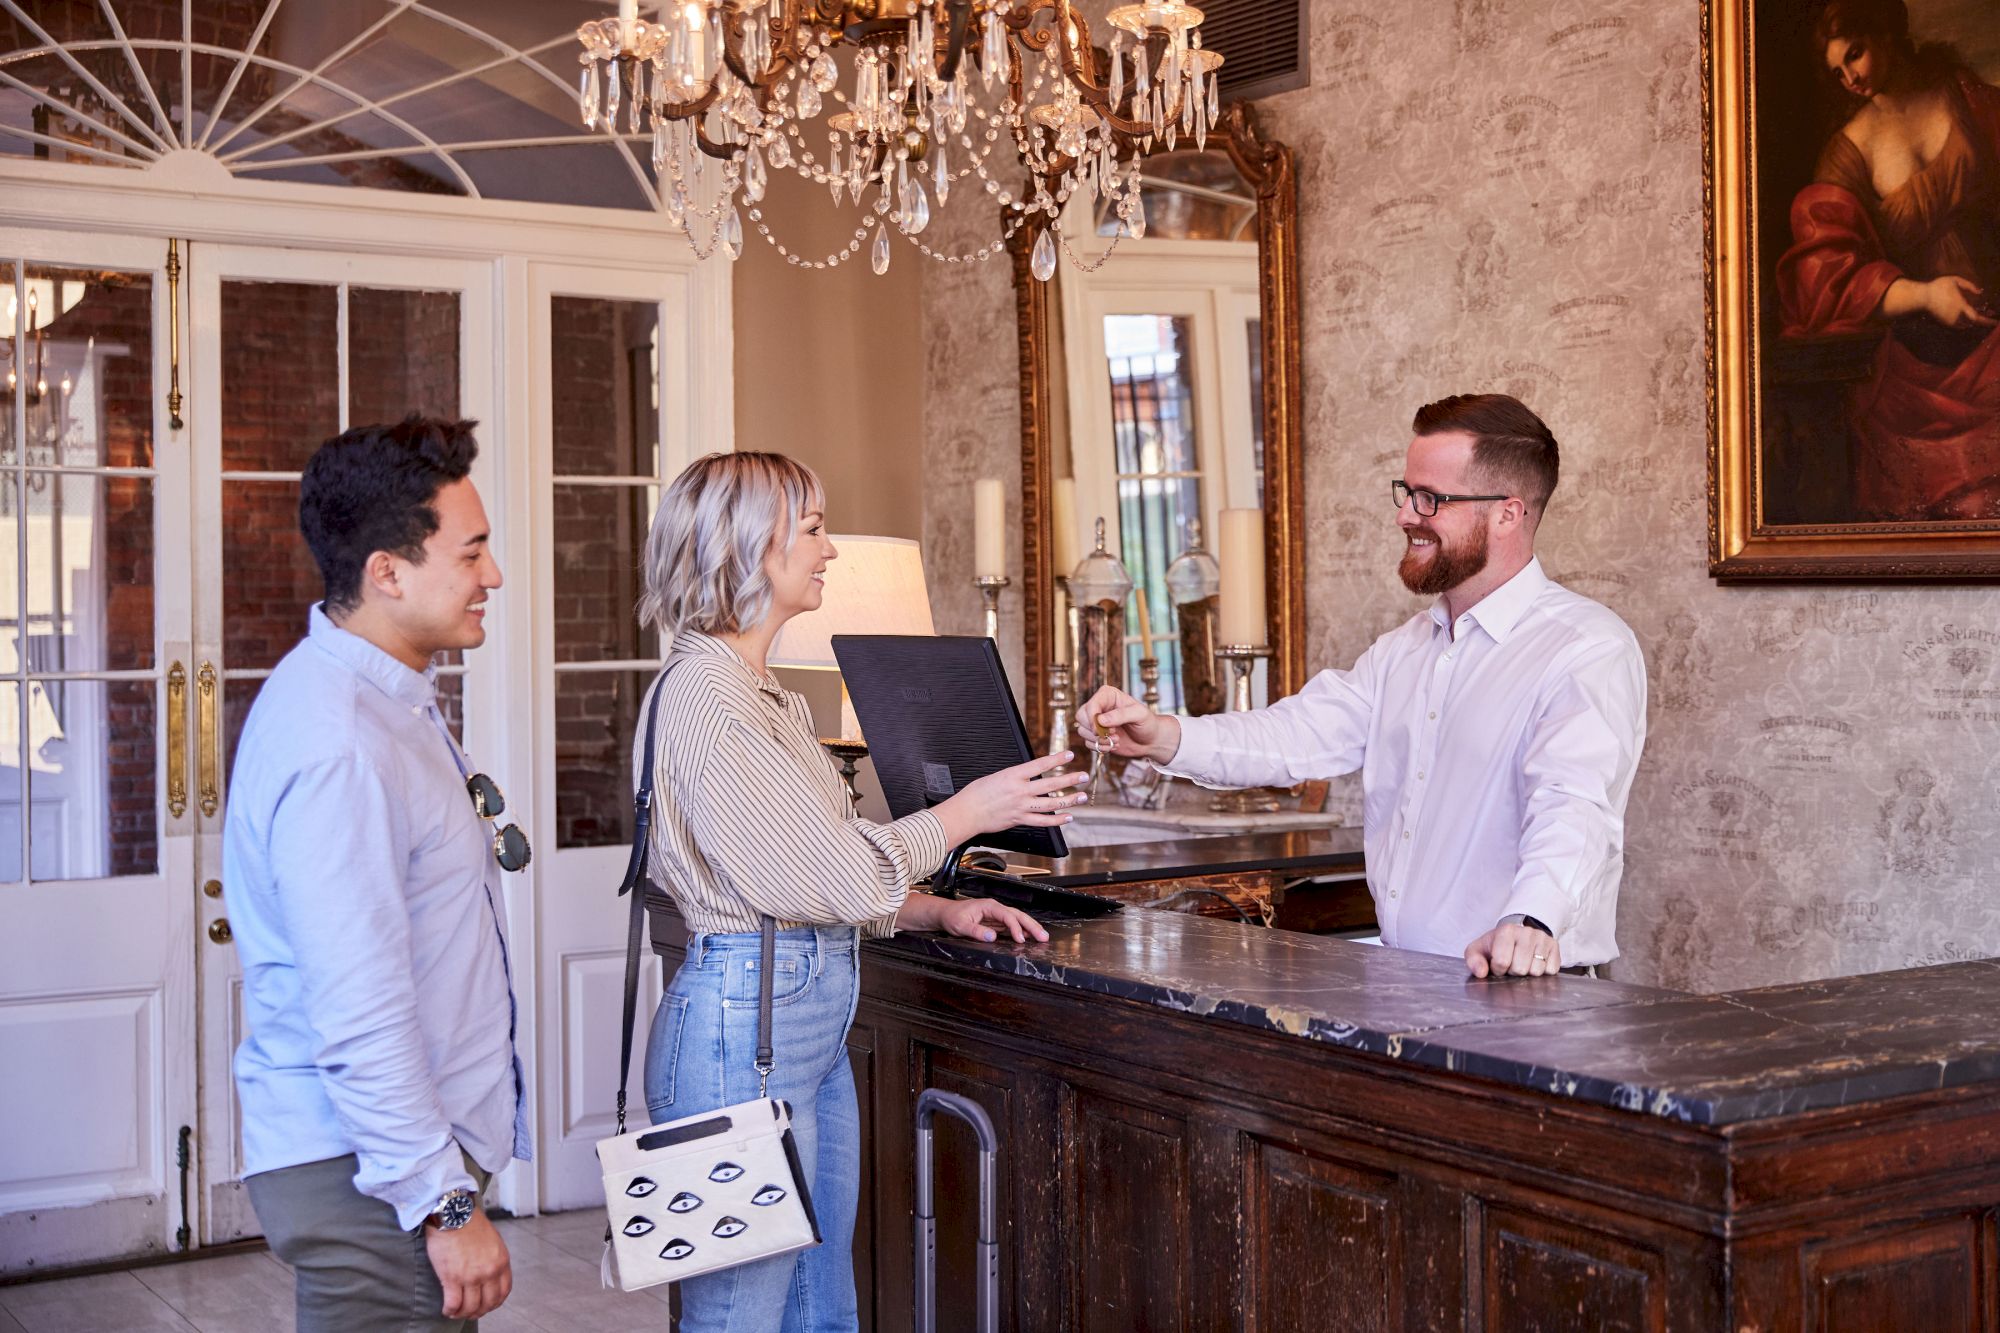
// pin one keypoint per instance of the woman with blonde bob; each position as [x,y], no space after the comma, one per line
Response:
[751,819]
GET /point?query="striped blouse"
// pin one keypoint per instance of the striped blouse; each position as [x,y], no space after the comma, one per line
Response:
[750,815]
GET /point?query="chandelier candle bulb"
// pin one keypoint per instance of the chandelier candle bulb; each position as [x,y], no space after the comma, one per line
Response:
[989,527]
[1242,558]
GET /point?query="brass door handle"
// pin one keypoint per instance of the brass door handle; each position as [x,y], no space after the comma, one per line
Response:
[177,725]
[213,888]
[210,739]
[219,931]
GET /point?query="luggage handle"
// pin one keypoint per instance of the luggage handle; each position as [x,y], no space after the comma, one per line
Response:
[929,1102]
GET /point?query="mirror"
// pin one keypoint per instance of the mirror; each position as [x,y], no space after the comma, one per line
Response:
[1164,388]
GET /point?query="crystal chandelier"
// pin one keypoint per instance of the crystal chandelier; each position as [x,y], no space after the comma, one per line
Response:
[731,90]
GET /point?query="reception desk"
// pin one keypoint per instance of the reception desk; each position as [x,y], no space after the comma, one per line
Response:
[1213,1126]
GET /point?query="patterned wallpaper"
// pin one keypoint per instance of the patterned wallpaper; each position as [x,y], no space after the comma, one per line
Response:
[1499,194]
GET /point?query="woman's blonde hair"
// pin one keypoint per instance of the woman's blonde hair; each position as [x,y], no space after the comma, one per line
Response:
[704,560]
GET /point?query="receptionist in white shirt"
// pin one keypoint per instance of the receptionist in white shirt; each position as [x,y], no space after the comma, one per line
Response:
[1496,731]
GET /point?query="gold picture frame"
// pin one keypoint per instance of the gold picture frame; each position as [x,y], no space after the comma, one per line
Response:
[1802,486]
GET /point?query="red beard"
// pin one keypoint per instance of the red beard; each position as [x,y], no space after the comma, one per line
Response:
[1448,564]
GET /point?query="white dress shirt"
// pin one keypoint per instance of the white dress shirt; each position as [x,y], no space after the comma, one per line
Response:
[365,900]
[1496,756]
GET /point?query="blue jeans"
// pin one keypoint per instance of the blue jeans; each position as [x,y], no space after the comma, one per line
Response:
[700,1056]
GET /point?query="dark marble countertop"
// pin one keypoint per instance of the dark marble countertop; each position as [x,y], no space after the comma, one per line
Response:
[1704,1059]
[1326,851]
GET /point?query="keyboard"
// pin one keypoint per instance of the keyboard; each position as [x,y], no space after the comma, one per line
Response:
[1048,904]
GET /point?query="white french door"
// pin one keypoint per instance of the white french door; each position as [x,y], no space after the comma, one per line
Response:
[291,347]
[152,574]
[614,413]
[97,1079]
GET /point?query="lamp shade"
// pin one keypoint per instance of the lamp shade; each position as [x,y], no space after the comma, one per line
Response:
[876,586]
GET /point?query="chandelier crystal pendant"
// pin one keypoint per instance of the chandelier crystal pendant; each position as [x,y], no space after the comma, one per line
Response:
[732,90]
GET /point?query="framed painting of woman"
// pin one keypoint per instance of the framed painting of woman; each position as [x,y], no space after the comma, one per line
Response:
[1853,222]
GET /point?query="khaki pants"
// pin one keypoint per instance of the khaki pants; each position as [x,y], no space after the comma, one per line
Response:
[356,1268]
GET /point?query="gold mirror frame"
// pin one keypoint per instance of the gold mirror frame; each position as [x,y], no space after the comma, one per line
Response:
[1266,166]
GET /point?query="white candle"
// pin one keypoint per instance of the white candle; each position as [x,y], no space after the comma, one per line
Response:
[1062,520]
[989,527]
[1242,560]
[1061,653]
[628,18]
[1145,625]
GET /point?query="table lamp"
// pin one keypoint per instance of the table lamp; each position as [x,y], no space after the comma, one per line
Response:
[876,586]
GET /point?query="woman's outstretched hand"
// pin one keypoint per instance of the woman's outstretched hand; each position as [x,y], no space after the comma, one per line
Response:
[1035,793]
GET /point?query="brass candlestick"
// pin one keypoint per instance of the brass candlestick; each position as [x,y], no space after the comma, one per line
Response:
[1149,677]
[849,754]
[1241,660]
[989,586]
[1062,712]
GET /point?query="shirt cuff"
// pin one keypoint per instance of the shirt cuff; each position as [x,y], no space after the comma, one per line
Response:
[922,836]
[1195,758]
[414,1196]
[1544,902]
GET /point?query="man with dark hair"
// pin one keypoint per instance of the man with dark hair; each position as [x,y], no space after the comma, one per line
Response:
[1496,732]
[379,1085]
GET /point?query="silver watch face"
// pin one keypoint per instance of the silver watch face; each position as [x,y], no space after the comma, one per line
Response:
[454,1210]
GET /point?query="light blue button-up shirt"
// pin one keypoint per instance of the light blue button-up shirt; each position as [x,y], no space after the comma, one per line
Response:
[365,900]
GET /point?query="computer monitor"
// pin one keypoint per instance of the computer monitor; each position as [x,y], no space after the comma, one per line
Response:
[938,714]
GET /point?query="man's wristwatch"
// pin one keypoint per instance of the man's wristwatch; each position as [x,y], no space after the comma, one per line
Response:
[454,1210]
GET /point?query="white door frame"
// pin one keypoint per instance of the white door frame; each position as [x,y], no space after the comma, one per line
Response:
[106,966]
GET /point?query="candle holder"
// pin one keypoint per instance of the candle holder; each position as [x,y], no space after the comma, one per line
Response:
[989,586]
[1149,678]
[1062,714]
[849,755]
[1241,660]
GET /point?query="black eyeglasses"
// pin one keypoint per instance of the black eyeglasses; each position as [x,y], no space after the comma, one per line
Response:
[510,845]
[1426,502]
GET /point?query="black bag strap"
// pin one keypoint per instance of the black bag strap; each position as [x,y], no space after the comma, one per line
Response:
[635,885]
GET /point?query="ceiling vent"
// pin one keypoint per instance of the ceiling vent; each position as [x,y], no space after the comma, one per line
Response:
[1263,43]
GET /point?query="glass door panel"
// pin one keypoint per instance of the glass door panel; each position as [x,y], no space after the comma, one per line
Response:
[77,623]
[1157,464]
[605,395]
[402,354]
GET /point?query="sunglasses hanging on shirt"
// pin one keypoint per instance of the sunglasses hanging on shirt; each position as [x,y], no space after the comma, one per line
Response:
[510,844]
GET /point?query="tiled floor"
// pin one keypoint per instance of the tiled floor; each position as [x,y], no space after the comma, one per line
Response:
[556,1290]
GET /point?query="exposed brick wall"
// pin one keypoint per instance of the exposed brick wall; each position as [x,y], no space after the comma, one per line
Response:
[280,400]
[403,353]
[281,395]
[604,426]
